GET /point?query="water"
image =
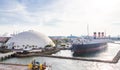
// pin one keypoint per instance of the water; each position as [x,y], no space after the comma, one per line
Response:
[107,54]
[66,64]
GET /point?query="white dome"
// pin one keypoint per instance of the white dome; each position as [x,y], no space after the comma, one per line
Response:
[29,39]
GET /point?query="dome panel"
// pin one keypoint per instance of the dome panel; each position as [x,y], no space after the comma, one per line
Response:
[29,39]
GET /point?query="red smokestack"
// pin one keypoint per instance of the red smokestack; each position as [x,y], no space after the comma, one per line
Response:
[99,34]
[102,34]
[94,35]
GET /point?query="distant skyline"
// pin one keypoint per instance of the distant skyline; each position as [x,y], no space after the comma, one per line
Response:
[60,17]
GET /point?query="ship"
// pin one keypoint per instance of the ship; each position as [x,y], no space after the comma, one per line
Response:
[81,46]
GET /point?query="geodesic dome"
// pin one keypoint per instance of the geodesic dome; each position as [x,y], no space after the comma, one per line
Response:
[29,39]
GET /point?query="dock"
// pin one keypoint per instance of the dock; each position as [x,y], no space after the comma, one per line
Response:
[7,55]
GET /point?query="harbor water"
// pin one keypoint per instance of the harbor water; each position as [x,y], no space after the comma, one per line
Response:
[67,64]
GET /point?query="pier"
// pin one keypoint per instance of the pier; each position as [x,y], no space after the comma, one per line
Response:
[7,55]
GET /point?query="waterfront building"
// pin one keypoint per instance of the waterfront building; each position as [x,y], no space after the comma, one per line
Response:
[3,41]
[29,40]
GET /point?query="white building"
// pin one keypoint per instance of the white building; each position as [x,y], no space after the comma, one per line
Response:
[29,40]
[3,40]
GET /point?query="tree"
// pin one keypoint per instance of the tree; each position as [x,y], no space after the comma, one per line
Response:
[48,46]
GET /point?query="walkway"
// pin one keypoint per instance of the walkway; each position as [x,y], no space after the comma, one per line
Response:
[6,55]
[12,67]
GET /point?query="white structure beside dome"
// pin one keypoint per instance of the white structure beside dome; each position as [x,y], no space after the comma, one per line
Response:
[29,40]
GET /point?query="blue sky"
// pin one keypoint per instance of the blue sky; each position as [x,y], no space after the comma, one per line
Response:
[60,17]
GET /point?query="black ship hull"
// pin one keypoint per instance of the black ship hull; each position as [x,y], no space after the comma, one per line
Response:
[79,49]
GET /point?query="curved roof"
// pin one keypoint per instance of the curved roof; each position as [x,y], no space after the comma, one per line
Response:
[30,38]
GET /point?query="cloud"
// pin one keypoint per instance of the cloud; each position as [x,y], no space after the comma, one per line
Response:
[63,17]
[99,14]
[15,15]
[20,13]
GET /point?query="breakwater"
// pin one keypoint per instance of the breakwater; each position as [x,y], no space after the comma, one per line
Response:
[114,60]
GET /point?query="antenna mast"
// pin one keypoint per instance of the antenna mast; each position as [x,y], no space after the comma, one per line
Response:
[87,30]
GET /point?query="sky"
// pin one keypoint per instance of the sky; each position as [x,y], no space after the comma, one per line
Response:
[60,17]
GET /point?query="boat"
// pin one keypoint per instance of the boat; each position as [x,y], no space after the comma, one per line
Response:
[81,46]
[35,65]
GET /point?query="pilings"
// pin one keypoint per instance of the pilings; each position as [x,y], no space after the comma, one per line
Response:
[6,55]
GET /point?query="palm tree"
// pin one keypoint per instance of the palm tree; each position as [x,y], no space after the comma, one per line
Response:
[23,45]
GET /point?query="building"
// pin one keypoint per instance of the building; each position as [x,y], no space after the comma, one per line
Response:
[3,41]
[29,40]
